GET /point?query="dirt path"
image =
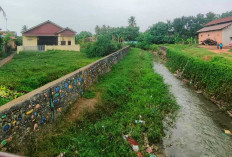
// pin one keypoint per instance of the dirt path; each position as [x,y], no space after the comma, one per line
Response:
[215,50]
[7,59]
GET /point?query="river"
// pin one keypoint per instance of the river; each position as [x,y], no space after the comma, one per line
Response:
[198,130]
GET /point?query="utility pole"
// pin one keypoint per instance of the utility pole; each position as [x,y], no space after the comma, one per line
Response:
[6,24]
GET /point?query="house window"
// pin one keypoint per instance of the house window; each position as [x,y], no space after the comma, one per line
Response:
[69,42]
[63,42]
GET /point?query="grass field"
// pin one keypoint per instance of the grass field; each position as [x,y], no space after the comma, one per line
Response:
[198,52]
[30,70]
[130,92]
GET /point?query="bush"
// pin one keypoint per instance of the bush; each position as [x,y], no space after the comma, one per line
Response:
[103,47]
[213,76]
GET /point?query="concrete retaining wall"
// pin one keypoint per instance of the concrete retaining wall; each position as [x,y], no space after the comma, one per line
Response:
[41,106]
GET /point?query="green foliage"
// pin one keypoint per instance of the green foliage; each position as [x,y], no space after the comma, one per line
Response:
[132,22]
[180,30]
[82,37]
[19,41]
[119,34]
[89,94]
[103,47]
[130,92]
[214,76]
[30,70]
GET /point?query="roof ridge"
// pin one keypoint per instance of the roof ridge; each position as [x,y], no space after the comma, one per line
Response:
[219,21]
[48,21]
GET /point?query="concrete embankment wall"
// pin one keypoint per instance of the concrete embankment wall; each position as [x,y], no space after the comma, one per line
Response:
[41,106]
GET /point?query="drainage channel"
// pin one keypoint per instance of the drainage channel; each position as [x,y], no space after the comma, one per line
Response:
[198,130]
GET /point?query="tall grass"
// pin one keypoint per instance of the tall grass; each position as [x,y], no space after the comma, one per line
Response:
[214,76]
[131,91]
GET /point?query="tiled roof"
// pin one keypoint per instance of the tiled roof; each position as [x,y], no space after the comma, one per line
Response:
[218,21]
[47,28]
[214,27]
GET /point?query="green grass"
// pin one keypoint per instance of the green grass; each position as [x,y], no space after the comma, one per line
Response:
[195,51]
[89,94]
[130,92]
[2,56]
[30,70]
[230,50]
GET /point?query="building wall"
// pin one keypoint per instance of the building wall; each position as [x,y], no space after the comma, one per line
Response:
[227,36]
[29,41]
[32,111]
[63,47]
[214,35]
[66,39]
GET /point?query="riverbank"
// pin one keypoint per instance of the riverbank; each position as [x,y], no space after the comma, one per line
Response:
[213,77]
[130,105]
[199,128]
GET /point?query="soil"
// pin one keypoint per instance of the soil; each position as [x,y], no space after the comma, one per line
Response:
[82,105]
[7,59]
[214,49]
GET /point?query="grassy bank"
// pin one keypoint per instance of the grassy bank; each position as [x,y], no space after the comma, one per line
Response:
[30,70]
[198,52]
[213,76]
[131,91]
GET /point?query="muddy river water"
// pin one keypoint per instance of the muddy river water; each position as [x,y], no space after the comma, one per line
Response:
[198,130]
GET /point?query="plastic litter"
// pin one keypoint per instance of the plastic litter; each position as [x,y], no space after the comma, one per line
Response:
[228,132]
[135,148]
[61,154]
[149,150]
[140,121]
[139,154]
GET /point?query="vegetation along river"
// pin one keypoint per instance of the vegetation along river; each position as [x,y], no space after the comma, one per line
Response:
[198,130]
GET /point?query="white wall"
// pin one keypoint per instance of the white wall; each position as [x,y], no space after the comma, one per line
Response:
[227,36]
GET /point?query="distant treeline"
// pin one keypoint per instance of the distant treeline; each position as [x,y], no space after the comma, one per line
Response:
[180,30]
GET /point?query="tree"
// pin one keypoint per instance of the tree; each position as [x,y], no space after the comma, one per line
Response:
[6,40]
[132,21]
[82,36]
[24,29]
[226,14]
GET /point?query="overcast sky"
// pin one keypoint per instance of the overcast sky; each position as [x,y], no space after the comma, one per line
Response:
[84,15]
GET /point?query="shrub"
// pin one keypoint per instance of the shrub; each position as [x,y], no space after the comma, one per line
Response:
[213,76]
[103,47]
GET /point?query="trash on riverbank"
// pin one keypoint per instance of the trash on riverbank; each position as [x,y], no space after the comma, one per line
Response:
[228,132]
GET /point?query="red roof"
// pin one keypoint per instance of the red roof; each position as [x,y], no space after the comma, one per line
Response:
[67,32]
[47,28]
[219,21]
[214,27]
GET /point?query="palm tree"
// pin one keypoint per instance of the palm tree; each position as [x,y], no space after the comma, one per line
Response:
[132,21]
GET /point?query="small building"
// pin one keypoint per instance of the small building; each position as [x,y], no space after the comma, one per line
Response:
[13,38]
[219,30]
[49,36]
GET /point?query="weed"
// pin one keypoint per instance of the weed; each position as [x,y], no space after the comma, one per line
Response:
[131,91]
